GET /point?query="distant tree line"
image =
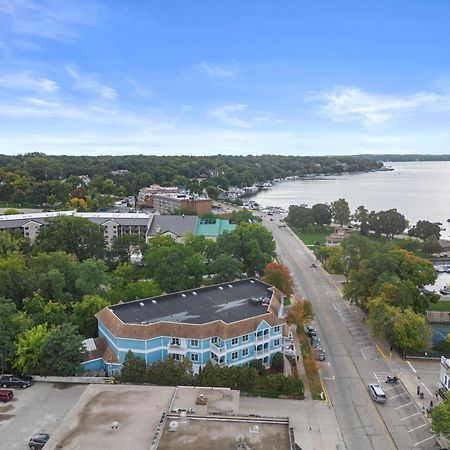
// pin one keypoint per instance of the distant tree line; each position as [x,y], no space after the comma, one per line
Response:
[39,179]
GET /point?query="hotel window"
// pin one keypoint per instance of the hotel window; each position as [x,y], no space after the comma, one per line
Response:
[266,360]
[276,342]
[194,357]
[276,329]
[214,340]
[235,341]
[175,341]
[245,352]
[177,357]
[194,342]
[234,355]
[245,338]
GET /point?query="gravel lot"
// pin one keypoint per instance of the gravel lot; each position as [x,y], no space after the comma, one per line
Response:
[38,408]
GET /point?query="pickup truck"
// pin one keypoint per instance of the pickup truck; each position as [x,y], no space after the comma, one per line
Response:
[9,381]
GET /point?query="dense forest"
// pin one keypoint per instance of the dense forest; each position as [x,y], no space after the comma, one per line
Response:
[38,179]
[404,158]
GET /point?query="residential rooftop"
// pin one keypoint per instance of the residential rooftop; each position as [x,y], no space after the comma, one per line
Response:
[229,302]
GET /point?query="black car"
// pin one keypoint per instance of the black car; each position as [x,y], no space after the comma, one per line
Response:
[311,331]
[315,341]
[38,441]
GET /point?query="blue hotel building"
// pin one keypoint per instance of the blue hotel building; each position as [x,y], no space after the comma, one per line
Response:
[228,324]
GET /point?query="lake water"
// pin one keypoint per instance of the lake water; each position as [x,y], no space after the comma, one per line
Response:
[419,190]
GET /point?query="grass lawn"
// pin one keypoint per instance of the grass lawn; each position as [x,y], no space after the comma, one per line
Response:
[310,364]
[313,235]
[439,306]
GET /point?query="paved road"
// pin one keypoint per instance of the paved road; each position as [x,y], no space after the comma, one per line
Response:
[353,362]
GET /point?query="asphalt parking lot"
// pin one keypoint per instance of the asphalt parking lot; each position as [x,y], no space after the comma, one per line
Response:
[40,408]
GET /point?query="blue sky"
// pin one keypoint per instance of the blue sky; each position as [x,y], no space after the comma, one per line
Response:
[231,77]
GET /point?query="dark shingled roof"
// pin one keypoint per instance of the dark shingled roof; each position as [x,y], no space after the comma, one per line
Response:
[229,302]
[177,225]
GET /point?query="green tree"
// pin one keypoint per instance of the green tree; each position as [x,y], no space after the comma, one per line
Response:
[12,324]
[424,229]
[63,351]
[134,291]
[162,263]
[321,214]
[278,275]
[74,235]
[440,418]
[243,215]
[250,243]
[431,245]
[8,244]
[361,216]
[30,350]
[277,363]
[392,222]
[226,268]
[340,211]
[92,277]
[124,246]
[84,314]
[134,369]
[44,311]
[299,217]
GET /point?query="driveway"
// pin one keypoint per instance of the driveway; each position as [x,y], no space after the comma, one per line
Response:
[41,407]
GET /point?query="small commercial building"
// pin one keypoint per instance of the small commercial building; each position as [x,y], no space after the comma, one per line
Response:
[445,373]
[168,203]
[226,324]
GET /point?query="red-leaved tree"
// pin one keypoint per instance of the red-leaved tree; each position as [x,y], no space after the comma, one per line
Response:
[278,275]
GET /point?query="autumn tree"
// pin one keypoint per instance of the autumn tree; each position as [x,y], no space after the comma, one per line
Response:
[278,275]
[300,312]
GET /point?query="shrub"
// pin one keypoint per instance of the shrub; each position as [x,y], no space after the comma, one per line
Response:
[278,362]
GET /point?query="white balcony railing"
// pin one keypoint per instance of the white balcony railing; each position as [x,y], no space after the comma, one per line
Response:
[177,348]
[218,350]
[263,338]
[217,363]
[262,353]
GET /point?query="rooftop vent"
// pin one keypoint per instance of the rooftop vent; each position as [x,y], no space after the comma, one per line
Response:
[230,285]
[255,300]
[194,293]
[183,295]
[173,425]
[252,281]
[221,288]
[154,302]
[141,303]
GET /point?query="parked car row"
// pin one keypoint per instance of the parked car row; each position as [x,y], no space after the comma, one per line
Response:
[315,343]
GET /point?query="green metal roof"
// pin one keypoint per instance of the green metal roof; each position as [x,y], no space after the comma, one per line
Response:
[213,227]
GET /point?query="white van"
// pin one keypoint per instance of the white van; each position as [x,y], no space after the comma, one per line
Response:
[377,393]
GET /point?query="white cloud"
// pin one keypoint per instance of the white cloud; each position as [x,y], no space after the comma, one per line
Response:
[351,103]
[50,19]
[227,114]
[89,83]
[217,70]
[27,81]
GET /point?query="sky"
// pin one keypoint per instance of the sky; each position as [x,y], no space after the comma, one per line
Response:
[199,77]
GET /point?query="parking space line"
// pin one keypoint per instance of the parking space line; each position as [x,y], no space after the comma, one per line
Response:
[412,415]
[412,368]
[423,384]
[395,396]
[420,426]
[388,389]
[407,404]
[421,442]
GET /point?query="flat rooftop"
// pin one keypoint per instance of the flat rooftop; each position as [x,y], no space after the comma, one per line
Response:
[224,433]
[229,302]
[88,425]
